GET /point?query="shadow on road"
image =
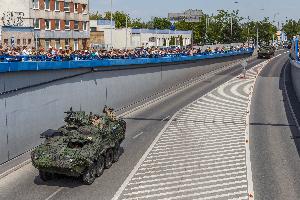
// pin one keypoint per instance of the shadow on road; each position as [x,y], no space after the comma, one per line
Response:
[272,124]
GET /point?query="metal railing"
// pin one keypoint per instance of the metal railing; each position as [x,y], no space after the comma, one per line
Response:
[297,50]
[156,31]
[78,57]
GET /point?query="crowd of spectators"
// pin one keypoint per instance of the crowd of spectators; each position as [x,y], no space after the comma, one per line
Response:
[32,54]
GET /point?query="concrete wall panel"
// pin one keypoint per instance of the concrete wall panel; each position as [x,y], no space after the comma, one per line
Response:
[3,133]
[8,80]
[295,70]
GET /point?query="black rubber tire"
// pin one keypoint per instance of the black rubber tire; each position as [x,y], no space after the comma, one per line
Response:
[100,165]
[109,157]
[89,175]
[45,176]
[117,152]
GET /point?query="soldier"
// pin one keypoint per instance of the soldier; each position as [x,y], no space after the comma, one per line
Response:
[110,113]
[97,121]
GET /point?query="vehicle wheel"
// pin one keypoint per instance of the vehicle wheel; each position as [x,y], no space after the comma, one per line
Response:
[100,164]
[89,175]
[109,158]
[117,152]
[45,176]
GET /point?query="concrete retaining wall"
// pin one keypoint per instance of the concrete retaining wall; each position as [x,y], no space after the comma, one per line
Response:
[295,70]
[43,96]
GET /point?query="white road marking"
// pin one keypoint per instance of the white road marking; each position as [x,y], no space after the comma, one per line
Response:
[166,118]
[138,135]
[53,194]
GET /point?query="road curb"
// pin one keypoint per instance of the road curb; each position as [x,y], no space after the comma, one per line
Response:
[15,168]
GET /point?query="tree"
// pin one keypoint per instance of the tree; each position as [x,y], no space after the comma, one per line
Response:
[291,28]
[95,16]
[160,23]
[137,23]
[119,17]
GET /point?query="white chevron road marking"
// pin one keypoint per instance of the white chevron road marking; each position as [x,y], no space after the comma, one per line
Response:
[202,154]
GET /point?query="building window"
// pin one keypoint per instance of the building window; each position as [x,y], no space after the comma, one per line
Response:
[85,26]
[47,43]
[35,4]
[56,5]
[24,42]
[76,7]
[29,41]
[84,9]
[67,43]
[18,41]
[36,23]
[57,43]
[75,44]
[47,24]
[76,26]
[47,4]
[67,25]
[67,6]
[57,24]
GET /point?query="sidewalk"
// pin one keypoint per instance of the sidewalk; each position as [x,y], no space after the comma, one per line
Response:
[203,152]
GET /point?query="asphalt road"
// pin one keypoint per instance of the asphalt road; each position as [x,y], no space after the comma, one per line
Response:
[143,127]
[274,138]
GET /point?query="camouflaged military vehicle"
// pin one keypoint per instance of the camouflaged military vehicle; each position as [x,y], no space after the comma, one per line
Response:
[83,147]
[266,52]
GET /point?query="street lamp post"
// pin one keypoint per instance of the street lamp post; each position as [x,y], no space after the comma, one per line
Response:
[231,26]
[206,28]
[126,32]
[257,37]
[231,22]
[257,30]
[248,31]
[111,24]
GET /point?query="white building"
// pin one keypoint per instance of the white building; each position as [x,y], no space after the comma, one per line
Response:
[57,23]
[281,37]
[16,27]
[132,38]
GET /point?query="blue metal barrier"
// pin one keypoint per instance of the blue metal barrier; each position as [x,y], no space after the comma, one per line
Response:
[26,63]
[297,49]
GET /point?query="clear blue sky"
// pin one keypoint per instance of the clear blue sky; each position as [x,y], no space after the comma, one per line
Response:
[146,9]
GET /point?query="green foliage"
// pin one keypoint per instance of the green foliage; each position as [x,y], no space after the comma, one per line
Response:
[119,18]
[160,23]
[137,23]
[95,16]
[210,29]
[172,40]
[266,30]
[291,28]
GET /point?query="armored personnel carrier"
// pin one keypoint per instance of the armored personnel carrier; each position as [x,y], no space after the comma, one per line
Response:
[266,52]
[83,147]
